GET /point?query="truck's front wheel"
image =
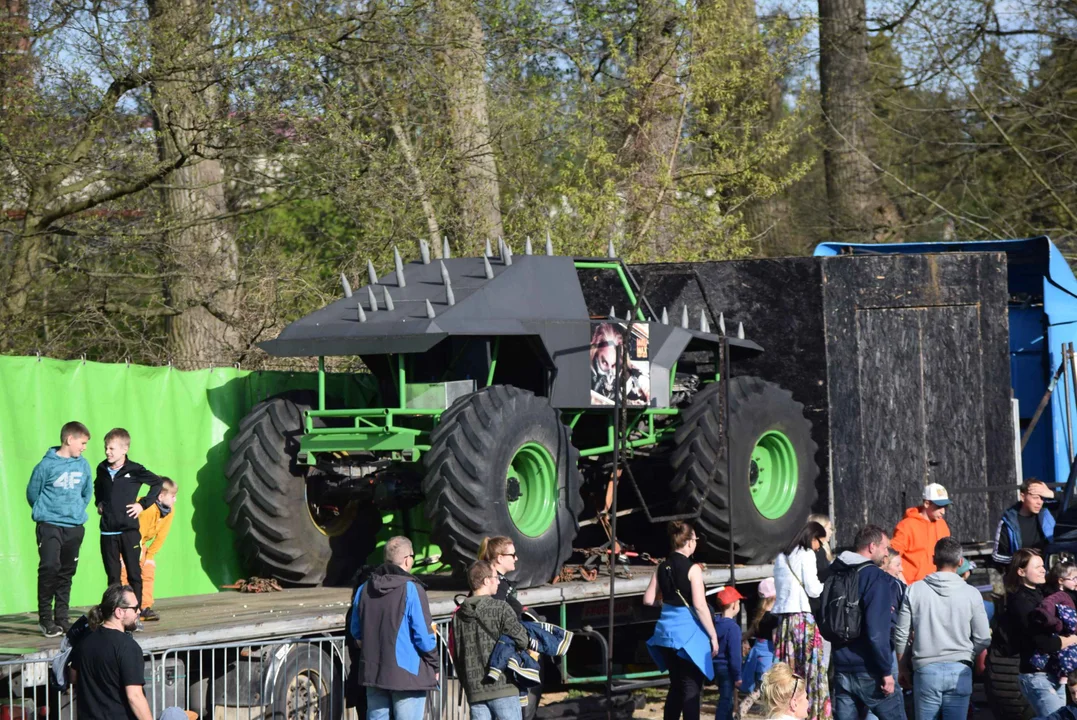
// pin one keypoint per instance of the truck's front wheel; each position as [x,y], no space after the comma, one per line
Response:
[501,463]
[279,532]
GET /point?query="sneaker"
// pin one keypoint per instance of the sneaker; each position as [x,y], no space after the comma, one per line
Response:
[150,615]
[51,629]
[65,625]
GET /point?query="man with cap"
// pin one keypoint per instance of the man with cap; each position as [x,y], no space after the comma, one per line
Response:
[1026,524]
[727,663]
[923,526]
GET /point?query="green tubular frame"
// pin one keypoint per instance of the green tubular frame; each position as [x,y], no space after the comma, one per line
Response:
[591,265]
[569,679]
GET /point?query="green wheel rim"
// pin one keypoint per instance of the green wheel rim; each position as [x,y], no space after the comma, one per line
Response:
[773,474]
[535,473]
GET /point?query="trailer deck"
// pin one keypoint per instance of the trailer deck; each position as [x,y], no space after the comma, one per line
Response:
[226,617]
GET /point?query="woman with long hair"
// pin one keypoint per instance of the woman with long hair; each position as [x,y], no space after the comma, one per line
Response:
[1024,582]
[799,643]
[684,641]
[784,693]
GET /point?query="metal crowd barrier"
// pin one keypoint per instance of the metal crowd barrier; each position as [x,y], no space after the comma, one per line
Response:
[294,679]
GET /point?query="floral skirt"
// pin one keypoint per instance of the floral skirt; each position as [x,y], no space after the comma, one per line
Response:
[801,646]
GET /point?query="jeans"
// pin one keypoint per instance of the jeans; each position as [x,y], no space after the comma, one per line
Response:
[897,690]
[942,690]
[1044,694]
[726,693]
[854,692]
[405,705]
[506,708]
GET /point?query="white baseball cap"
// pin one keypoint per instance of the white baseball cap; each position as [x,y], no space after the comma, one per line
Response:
[937,494]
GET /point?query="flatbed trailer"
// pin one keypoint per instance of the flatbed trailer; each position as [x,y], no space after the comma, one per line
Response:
[251,644]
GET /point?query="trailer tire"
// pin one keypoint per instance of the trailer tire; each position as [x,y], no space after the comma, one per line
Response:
[489,447]
[1003,688]
[773,462]
[267,496]
[307,684]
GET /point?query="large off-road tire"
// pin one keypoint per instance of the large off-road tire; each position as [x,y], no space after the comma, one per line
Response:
[267,494]
[501,463]
[1003,688]
[773,469]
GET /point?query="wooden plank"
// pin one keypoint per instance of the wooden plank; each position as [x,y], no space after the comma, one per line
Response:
[954,413]
[892,411]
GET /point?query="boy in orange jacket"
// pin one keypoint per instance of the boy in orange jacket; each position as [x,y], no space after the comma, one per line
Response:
[923,526]
[154,524]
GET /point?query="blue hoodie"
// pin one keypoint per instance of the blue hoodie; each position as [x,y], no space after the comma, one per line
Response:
[60,489]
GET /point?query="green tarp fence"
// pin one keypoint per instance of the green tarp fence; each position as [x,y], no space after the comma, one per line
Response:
[180,423]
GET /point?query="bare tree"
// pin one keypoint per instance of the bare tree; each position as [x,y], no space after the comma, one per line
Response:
[860,209]
[463,60]
[197,240]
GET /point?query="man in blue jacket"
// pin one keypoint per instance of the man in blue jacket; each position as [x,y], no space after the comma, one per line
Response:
[1025,525]
[391,622]
[59,490]
[864,675]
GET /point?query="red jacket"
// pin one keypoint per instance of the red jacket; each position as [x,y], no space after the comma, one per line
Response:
[915,537]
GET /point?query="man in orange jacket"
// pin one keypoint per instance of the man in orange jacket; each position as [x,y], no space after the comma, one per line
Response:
[154,524]
[923,526]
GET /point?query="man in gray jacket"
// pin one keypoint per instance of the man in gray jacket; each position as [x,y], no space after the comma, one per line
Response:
[949,628]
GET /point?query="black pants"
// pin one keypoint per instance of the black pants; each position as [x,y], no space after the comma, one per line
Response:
[685,685]
[126,546]
[58,558]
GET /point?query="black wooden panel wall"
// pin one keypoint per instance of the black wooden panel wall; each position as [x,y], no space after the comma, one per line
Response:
[919,387]
[780,302]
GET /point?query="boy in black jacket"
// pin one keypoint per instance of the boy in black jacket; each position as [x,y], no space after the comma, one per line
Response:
[116,487]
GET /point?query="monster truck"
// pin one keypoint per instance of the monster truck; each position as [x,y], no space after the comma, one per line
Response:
[499,379]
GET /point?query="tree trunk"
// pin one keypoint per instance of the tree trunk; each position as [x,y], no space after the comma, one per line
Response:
[651,138]
[463,61]
[198,241]
[860,209]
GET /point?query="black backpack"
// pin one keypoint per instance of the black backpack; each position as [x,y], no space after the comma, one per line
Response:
[839,614]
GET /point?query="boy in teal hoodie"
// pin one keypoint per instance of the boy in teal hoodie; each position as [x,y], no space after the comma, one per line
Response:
[59,491]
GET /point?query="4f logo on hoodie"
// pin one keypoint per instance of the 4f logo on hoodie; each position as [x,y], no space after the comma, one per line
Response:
[68,480]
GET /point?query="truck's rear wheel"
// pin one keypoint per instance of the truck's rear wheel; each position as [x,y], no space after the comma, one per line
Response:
[280,534]
[773,469]
[501,463]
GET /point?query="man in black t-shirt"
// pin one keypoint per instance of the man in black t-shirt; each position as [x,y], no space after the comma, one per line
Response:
[107,666]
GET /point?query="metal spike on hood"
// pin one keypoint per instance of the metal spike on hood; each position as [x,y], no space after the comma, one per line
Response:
[444,273]
[500,247]
[721,323]
[549,244]
[371,274]
[740,331]
[507,257]
[684,317]
[703,321]
[613,312]
[347,285]
[362,313]
[429,309]
[449,297]
[665,317]
[489,250]
[610,250]
[388,300]
[445,252]
[424,251]
[399,263]
[527,246]
[487,268]
[373,300]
